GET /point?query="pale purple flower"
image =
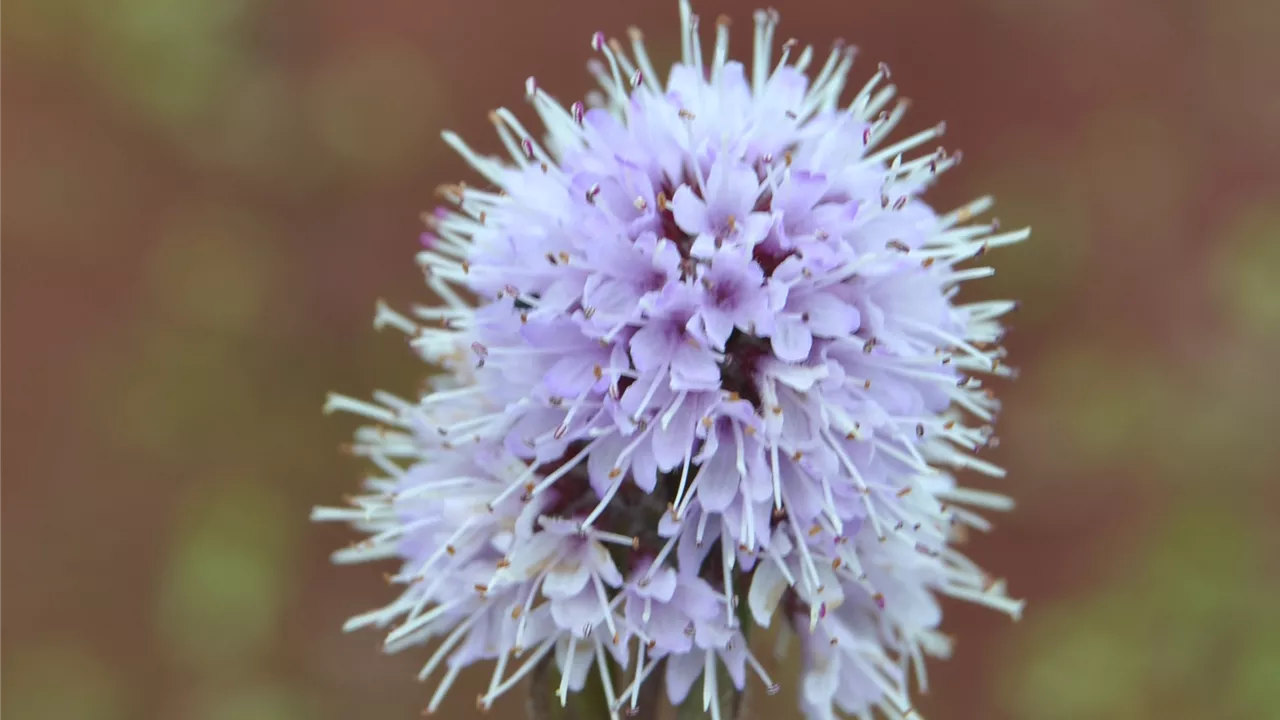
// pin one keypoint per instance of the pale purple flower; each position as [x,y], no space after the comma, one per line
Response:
[630,279]
[732,298]
[679,619]
[723,214]
[702,369]
[667,345]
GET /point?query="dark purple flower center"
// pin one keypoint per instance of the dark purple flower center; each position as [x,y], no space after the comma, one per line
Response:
[726,294]
[742,355]
[654,282]
[770,259]
[632,511]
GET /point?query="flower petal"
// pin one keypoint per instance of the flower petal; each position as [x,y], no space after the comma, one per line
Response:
[791,340]
[683,670]
[689,211]
[767,588]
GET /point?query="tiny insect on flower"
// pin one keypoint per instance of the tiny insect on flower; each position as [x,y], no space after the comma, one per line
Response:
[701,367]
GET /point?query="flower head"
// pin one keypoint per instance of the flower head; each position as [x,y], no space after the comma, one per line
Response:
[700,344]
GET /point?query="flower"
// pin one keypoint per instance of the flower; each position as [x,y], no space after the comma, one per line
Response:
[698,343]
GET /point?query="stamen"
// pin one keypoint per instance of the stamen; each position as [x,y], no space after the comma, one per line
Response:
[642,60]
[721,52]
[567,670]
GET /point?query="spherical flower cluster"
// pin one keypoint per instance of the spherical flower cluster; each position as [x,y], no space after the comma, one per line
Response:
[701,368]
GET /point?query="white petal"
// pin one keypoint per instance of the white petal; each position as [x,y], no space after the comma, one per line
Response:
[766,592]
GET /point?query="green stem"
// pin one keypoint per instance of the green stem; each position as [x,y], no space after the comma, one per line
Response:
[544,703]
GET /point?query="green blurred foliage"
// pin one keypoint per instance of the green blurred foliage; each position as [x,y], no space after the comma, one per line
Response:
[1186,629]
[1110,406]
[173,391]
[1041,274]
[261,702]
[226,575]
[61,679]
[1248,272]
[173,61]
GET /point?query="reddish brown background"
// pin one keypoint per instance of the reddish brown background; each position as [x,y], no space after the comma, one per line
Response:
[202,199]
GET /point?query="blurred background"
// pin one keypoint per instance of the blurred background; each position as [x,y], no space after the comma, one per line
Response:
[203,199]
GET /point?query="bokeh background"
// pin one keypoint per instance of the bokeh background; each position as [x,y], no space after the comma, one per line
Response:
[202,200]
